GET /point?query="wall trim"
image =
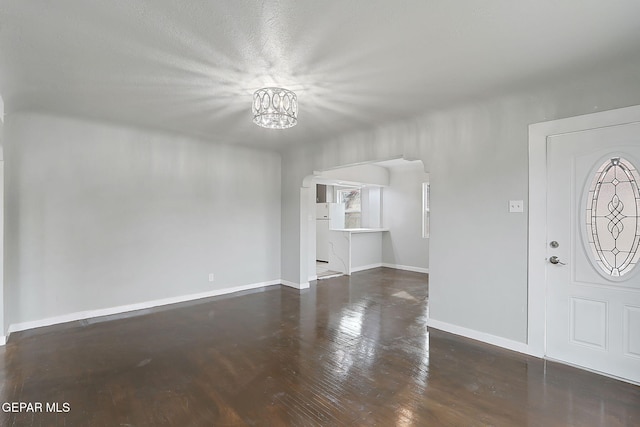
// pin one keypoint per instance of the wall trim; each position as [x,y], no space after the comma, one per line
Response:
[295,285]
[88,314]
[520,347]
[406,267]
[366,267]
[3,340]
[312,278]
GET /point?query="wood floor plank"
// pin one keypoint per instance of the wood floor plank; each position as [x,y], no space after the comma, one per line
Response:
[349,351]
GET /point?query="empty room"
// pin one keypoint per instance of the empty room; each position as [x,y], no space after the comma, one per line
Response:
[320,213]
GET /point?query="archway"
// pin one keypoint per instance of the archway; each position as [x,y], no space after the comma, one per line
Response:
[347,175]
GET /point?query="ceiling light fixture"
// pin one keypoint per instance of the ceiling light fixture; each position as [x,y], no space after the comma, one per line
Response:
[275,108]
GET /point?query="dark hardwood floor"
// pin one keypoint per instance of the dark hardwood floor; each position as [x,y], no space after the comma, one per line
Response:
[349,351]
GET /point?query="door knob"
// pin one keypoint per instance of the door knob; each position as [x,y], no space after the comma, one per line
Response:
[555,260]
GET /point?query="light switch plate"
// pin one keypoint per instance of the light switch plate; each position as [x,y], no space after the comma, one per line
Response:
[516,206]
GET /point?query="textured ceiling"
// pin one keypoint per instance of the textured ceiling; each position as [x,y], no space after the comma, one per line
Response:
[192,66]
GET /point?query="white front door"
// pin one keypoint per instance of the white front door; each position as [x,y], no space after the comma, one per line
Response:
[593,250]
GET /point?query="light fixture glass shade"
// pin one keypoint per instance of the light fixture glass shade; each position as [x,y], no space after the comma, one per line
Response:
[275,108]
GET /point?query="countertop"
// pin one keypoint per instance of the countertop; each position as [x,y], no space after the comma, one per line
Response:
[360,230]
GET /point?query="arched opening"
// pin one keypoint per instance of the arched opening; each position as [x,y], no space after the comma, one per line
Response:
[382,218]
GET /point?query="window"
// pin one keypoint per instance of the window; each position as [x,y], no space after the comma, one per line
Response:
[425,210]
[352,206]
[613,217]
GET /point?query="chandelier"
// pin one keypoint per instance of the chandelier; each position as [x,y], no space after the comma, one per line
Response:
[275,108]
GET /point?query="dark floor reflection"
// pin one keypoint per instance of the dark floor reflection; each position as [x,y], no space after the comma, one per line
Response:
[349,351]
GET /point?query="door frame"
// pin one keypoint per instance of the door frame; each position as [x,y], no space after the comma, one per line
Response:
[537,263]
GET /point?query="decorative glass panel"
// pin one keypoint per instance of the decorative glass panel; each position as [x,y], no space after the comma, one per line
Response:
[613,217]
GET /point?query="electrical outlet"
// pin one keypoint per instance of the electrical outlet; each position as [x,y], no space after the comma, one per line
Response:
[211,277]
[516,206]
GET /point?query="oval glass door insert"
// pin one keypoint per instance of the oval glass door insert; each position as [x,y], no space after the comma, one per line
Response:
[613,217]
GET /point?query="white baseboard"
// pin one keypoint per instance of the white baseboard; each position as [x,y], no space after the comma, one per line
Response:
[480,336]
[295,285]
[396,266]
[80,315]
[312,278]
[365,267]
[406,267]
[3,340]
[330,276]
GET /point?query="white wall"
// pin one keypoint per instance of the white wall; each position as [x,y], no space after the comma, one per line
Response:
[3,313]
[476,155]
[366,250]
[403,245]
[3,327]
[363,174]
[371,203]
[312,235]
[99,216]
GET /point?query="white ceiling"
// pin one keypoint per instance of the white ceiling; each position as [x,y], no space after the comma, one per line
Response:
[192,66]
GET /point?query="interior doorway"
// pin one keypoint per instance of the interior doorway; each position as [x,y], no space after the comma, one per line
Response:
[337,205]
[366,216]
